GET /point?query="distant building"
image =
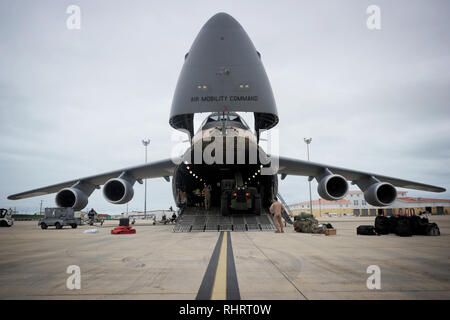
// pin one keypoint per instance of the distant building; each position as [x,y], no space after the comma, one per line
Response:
[355,204]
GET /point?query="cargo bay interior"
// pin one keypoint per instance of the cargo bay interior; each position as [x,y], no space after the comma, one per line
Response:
[190,179]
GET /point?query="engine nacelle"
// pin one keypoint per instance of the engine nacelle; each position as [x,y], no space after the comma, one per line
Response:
[380,194]
[118,190]
[71,198]
[332,187]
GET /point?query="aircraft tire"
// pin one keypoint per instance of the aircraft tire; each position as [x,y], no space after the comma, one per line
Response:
[224,206]
[257,206]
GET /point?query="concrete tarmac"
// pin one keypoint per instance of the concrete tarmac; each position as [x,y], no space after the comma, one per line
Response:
[156,263]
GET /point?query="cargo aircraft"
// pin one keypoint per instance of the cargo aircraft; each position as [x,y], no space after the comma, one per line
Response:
[223,75]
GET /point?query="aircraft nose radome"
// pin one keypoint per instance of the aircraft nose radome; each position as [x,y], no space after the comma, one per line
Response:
[222,62]
[222,20]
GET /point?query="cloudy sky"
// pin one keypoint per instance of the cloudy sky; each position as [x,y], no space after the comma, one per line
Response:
[75,103]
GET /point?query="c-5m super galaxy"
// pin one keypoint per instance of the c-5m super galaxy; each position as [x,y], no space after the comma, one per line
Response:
[223,75]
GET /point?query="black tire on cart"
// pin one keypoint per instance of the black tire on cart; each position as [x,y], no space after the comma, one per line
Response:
[124,222]
[224,205]
[44,226]
[74,226]
[58,225]
[257,207]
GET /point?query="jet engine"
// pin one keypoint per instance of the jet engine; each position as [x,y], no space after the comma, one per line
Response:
[332,186]
[119,190]
[380,194]
[71,198]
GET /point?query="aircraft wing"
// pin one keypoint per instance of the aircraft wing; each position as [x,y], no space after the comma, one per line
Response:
[288,166]
[158,169]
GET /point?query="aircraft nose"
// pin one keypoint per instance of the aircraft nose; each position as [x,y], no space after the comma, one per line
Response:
[221,20]
[222,63]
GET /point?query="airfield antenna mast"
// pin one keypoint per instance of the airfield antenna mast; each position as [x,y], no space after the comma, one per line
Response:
[145,143]
[308,141]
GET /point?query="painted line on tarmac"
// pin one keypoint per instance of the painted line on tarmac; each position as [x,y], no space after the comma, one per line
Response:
[232,281]
[204,292]
[220,279]
[219,288]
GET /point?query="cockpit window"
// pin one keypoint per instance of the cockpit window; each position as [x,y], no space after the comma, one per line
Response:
[223,117]
[214,118]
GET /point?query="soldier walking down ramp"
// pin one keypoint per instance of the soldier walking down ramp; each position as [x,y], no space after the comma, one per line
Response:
[207,191]
[276,208]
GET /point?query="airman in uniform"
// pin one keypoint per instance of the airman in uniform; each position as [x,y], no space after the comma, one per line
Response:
[276,208]
[207,191]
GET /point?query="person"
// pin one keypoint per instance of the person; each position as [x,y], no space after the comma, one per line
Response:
[183,198]
[275,209]
[174,217]
[207,191]
[92,213]
[287,213]
[91,216]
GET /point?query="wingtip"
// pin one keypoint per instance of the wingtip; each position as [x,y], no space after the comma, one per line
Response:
[14,197]
[438,189]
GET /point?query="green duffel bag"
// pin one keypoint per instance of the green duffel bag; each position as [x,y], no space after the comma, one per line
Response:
[303,215]
[308,225]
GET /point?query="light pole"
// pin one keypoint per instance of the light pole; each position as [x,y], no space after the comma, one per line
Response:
[320,208]
[308,141]
[145,143]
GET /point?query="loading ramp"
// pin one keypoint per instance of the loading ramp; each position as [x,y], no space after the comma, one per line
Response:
[288,214]
[197,219]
